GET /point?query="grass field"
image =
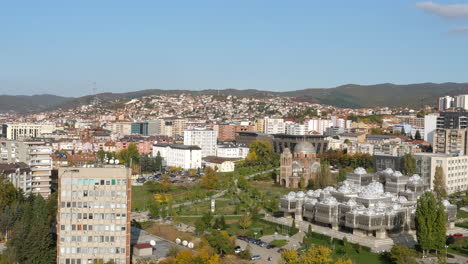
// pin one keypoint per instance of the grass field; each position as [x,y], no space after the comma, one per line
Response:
[178,193]
[365,256]
[461,214]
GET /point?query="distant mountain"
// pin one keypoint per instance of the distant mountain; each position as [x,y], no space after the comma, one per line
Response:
[30,104]
[349,95]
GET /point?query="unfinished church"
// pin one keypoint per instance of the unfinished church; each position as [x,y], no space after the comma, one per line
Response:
[302,163]
[365,204]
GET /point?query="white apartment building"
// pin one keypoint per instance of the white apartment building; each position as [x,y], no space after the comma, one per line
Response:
[461,101]
[25,130]
[122,128]
[317,125]
[340,122]
[274,125]
[295,129]
[37,155]
[176,155]
[19,174]
[231,151]
[455,169]
[204,138]
[446,102]
[430,126]
[93,218]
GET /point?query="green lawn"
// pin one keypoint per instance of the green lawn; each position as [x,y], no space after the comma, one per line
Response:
[365,256]
[178,193]
[279,243]
[461,214]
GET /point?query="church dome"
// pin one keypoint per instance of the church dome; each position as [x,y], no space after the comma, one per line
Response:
[304,148]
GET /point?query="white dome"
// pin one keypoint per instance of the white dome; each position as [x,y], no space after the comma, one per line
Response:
[445,202]
[360,170]
[397,174]
[351,202]
[310,193]
[292,194]
[300,194]
[402,199]
[388,171]
[304,148]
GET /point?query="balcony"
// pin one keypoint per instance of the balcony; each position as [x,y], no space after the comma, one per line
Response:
[41,168]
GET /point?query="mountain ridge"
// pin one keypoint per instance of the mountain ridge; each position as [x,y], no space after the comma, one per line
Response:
[347,95]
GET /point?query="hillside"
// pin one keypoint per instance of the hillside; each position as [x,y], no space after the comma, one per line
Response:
[30,104]
[350,95]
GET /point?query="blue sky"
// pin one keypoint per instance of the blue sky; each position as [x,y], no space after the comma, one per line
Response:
[62,47]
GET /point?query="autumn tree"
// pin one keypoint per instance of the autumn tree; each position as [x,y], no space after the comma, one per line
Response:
[245,221]
[129,155]
[440,188]
[210,179]
[324,177]
[400,254]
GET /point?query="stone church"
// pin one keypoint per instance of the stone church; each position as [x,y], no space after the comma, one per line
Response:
[302,163]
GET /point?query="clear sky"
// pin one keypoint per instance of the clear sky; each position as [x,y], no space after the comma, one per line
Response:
[62,47]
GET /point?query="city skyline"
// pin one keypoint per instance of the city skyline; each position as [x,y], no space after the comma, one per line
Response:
[64,48]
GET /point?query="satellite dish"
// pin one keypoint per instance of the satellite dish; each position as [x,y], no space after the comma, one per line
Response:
[117,161]
[190,245]
[185,243]
[153,243]
[178,240]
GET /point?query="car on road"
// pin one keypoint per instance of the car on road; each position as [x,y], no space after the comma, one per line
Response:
[141,180]
[256,257]
[280,250]
[457,235]
[263,244]
[270,246]
[240,237]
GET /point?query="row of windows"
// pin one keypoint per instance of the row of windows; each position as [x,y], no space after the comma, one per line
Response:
[91,250]
[93,193]
[80,227]
[455,181]
[457,174]
[87,261]
[88,182]
[91,216]
[102,205]
[95,239]
[457,167]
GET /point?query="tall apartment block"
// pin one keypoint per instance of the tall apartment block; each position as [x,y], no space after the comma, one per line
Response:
[94,215]
[37,155]
[450,141]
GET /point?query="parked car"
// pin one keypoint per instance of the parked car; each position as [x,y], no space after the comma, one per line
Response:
[141,180]
[280,250]
[242,237]
[256,257]
[270,246]
[237,250]
[457,235]
[263,244]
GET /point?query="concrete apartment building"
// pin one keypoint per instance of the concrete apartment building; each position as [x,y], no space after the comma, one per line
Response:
[176,155]
[455,169]
[227,132]
[446,102]
[461,101]
[120,127]
[206,139]
[19,174]
[37,155]
[274,125]
[168,126]
[449,141]
[93,216]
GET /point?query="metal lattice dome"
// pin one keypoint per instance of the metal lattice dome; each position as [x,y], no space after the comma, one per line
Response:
[304,148]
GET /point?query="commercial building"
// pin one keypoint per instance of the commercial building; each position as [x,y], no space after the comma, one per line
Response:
[120,127]
[37,155]
[317,125]
[139,128]
[176,155]
[206,139]
[16,131]
[452,119]
[295,129]
[283,141]
[455,169]
[93,216]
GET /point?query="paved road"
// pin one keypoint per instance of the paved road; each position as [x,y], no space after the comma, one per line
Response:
[263,252]
[162,245]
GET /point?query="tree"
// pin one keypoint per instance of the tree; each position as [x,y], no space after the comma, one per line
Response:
[302,183]
[221,242]
[245,221]
[400,254]
[158,161]
[290,256]
[129,155]
[317,255]
[347,246]
[409,164]
[261,153]
[210,179]
[246,254]
[324,177]
[430,223]
[154,209]
[165,183]
[439,183]
[8,193]
[344,261]
[417,136]
[341,176]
